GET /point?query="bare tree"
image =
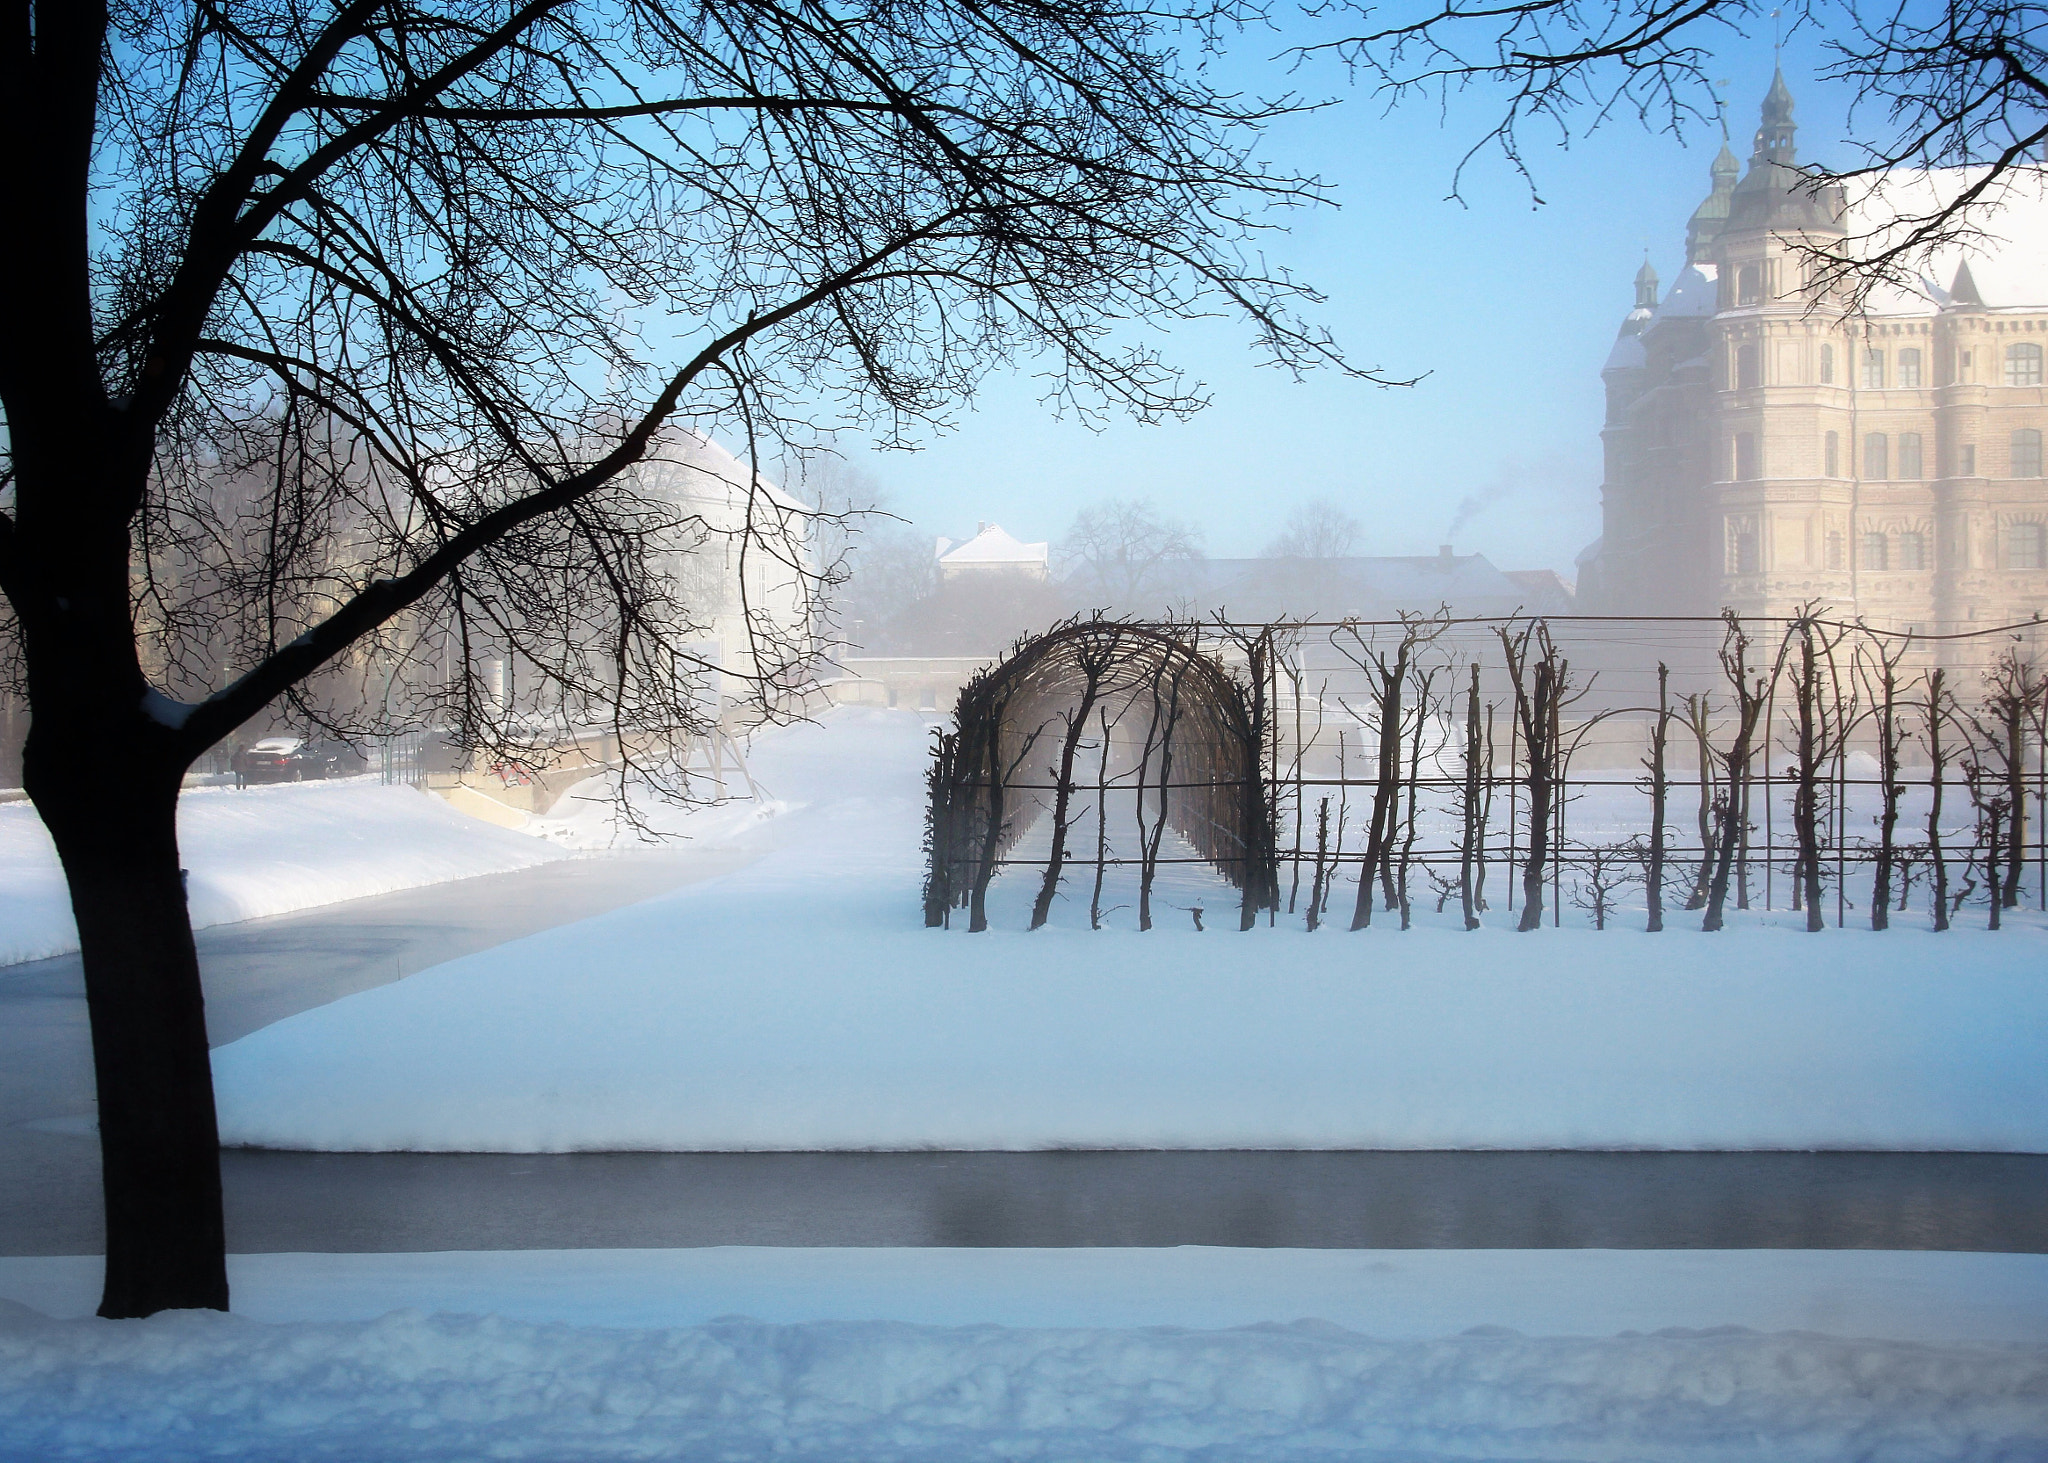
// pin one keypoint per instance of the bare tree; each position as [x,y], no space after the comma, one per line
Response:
[1699,720]
[1541,678]
[1660,784]
[2014,699]
[1472,806]
[1822,718]
[1126,553]
[1317,530]
[1605,870]
[1937,711]
[436,276]
[1878,665]
[1959,85]
[1386,685]
[1098,656]
[1752,691]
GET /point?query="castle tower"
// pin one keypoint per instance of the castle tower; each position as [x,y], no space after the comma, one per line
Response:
[1766,447]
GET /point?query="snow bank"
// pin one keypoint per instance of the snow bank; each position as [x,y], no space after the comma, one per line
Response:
[268,850]
[800,1004]
[442,1387]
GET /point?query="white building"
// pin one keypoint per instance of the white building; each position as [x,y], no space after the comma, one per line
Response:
[991,551]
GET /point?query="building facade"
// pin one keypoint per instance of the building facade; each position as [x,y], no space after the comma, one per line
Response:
[1767,447]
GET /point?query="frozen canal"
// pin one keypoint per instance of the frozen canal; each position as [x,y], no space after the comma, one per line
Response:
[263,970]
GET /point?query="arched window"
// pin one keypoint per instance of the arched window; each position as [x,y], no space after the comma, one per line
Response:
[1831,455]
[1747,372]
[2023,364]
[1876,460]
[1909,367]
[2026,453]
[1909,455]
[1873,369]
[1745,456]
[2026,546]
[1827,365]
[1912,551]
[1748,285]
[1874,555]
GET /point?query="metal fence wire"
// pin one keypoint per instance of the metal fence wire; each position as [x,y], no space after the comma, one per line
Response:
[1354,770]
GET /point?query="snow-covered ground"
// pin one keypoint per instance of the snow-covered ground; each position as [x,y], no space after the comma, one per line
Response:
[268,850]
[1161,1356]
[800,1004]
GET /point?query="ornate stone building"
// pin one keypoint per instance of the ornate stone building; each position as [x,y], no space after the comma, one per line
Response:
[1766,447]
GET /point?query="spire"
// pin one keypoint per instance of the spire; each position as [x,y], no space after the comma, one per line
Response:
[1774,137]
[1646,286]
[1963,293]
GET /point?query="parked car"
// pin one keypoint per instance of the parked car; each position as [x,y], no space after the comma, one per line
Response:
[282,759]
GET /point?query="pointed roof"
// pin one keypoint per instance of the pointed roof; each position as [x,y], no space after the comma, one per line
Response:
[1646,286]
[1964,292]
[992,548]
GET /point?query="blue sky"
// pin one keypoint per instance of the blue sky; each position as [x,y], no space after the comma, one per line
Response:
[1510,310]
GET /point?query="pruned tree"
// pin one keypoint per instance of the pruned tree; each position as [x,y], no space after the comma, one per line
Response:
[425,283]
[1878,665]
[1660,786]
[1541,680]
[1472,800]
[1699,721]
[1100,657]
[2015,696]
[1822,718]
[1961,85]
[1604,871]
[1752,690]
[1387,678]
[1937,712]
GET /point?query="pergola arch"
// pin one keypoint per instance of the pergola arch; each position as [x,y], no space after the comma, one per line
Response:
[1202,762]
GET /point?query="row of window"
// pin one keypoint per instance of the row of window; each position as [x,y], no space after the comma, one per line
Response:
[1909,464]
[2025,544]
[2023,366]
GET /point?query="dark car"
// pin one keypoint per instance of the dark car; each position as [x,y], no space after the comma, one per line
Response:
[282,759]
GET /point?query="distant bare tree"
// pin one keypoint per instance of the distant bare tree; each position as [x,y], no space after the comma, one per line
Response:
[1543,687]
[1823,716]
[1317,530]
[1937,713]
[1958,85]
[1660,784]
[1124,553]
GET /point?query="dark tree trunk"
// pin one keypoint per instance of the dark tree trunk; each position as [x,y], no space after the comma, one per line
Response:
[1537,727]
[1063,796]
[159,1143]
[1806,785]
[1653,876]
[1379,833]
[1468,844]
[1937,859]
[1890,792]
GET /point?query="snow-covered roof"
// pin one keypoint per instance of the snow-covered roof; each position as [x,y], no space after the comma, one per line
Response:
[1627,355]
[2008,257]
[1692,294]
[992,548]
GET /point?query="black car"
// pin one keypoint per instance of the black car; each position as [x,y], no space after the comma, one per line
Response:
[282,759]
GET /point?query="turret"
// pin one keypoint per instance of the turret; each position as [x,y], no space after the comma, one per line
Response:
[1712,216]
[1646,286]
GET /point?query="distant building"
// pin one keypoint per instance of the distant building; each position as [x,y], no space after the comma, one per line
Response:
[991,551]
[1765,447]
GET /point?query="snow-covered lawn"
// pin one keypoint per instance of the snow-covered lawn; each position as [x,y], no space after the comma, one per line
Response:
[268,850]
[800,1004]
[1151,1355]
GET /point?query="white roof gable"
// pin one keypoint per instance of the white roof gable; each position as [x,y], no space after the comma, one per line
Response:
[992,548]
